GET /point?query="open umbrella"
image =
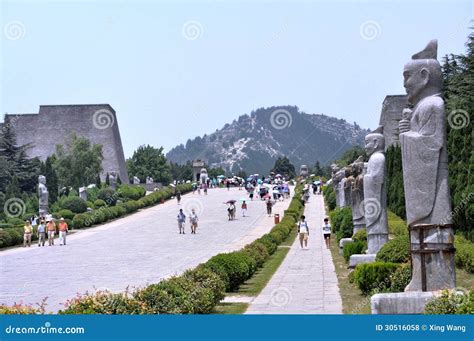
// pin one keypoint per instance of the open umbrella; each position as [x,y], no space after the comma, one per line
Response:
[231,201]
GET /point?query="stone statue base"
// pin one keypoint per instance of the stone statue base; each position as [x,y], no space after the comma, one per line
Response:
[358,227]
[402,302]
[361,259]
[376,241]
[343,242]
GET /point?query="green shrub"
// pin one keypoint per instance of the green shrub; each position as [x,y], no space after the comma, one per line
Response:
[396,250]
[130,206]
[451,303]
[269,243]
[74,204]
[234,265]
[103,302]
[66,214]
[20,309]
[98,203]
[360,236]
[16,222]
[464,256]
[400,278]
[396,225]
[207,279]
[330,197]
[12,236]
[353,248]
[257,251]
[108,195]
[373,276]
[82,220]
[131,192]
[341,222]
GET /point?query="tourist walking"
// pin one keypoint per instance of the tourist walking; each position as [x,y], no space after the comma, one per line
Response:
[303,231]
[231,211]
[41,233]
[178,197]
[269,207]
[244,208]
[28,231]
[51,227]
[327,232]
[193,220]
[63,230]
[181,221]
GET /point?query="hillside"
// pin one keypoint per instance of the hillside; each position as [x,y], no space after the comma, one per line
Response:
[253,143]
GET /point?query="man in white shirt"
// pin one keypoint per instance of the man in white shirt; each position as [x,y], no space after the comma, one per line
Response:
[327,232]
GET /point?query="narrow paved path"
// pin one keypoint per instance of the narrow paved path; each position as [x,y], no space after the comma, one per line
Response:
[133,251]
[306,282]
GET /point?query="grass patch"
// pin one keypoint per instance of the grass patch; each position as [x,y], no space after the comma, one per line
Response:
[353,302]
[231,308]
[464,279]
[259,280]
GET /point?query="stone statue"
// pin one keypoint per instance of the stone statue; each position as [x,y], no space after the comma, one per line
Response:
[43,196]
[348,186]
[375,195]
[113,180]
[335,182]
[83,193]
[425,174]
[357,194]
[304,171]
[341,175]
[203,176]
[149,180]
[136,180]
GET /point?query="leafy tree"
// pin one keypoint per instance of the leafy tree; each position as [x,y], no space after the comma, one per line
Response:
[214,172]
[283,166]
[78,162]
[98,182]
[149,161]
[181,172]
[107,179]
[15,162]
[395,190]
[241,173]
[318,171]
[458,74]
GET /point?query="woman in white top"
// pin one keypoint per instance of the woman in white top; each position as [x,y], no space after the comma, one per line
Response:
[193,220]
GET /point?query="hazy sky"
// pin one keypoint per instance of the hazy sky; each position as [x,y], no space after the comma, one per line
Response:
[174,70]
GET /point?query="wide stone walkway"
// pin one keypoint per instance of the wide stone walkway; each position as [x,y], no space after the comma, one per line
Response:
[133,251]
[306,282]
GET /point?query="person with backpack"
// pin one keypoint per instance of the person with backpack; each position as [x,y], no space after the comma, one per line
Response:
[327,232]
[193,220]
[181,221]
[303,232]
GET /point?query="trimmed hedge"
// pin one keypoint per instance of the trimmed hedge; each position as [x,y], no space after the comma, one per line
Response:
[396,250]
[131,192]
[373,276]
[353,248]
[74,204]
[360,236]
[66,214]
[341,222]
[451,303]
[400,278]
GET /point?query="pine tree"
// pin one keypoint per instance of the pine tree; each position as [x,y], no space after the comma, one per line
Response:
[107,179]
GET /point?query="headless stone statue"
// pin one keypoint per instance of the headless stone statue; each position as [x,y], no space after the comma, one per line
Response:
[43,196]
[348,186]
[83,193]
[341,176]
[375,195]
[335,181]
[425,174]
[357,194]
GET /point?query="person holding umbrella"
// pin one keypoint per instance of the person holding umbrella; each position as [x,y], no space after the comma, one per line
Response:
[231,209]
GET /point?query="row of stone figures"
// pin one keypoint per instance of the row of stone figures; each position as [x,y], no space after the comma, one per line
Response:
[149,180]
[422,136]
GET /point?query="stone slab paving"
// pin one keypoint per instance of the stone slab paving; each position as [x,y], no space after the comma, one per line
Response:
[133,251]
[306,282]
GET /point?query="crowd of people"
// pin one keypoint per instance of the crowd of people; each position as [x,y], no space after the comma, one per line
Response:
[45,228]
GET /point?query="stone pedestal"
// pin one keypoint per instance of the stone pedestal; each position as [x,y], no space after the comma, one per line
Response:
[361,259]
[343,242]
[358,228]
[401,302]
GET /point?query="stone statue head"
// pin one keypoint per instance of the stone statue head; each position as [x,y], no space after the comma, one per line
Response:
[42,179]
[334,168]
[375,141]
[422,75]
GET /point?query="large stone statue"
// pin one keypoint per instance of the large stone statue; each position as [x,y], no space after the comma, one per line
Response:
[425,173]
[43,196]
[375,195]
[357,194]
[113,179]
[304,171]
[335,182]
